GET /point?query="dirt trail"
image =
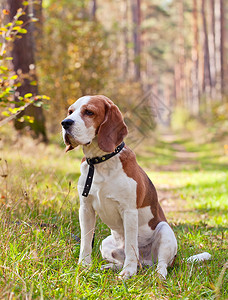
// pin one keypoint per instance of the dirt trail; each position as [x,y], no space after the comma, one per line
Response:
[184,160]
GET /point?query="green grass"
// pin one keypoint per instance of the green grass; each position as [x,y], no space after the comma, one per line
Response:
[39,214]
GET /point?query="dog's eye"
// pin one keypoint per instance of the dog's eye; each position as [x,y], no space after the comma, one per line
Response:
[89,112]
[70,112]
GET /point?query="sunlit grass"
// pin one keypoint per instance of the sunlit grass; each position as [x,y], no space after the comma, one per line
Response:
[39,221]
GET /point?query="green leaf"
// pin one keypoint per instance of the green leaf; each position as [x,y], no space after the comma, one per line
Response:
[25,3]
[28,95]
[14,110]
[3,29]
[19,22]
[17,28]
[29,119]
[26,119]
[45,97]
[21,103]
[9,24]
[14,77]
[34,82]
[3,68]
[5,114]
[22,30]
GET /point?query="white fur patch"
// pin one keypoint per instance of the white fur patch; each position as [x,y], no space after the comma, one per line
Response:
[79,132]
[112,191]
[145,233]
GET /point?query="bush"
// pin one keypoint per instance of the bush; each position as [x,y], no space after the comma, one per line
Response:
[9,80]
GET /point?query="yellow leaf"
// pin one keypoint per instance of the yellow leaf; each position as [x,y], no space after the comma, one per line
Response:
[5,12]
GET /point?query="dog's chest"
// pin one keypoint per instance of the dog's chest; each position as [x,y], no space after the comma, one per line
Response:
[112,191]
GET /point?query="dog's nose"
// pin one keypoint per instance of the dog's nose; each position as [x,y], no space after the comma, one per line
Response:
[67,123]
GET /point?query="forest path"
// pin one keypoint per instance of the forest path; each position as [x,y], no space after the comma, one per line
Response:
[184,161]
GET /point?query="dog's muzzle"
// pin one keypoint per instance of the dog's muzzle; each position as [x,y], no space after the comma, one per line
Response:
[67,123]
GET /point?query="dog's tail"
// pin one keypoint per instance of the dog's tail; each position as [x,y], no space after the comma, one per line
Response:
[199,257]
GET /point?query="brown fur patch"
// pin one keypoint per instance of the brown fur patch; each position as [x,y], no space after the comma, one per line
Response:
[96,104]
[146,192]
[107,121]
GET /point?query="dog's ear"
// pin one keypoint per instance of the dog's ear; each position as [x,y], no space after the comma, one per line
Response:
[113,129]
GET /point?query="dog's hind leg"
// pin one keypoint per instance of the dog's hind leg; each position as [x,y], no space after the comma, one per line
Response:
[145,257]
[112,253]
[164,247]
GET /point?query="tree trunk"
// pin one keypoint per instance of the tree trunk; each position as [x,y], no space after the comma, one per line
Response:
[222,45]
[207,72]
[211,41]
[136,17]
[180,69]
[93,5]
[177,76]
[23,53]
[3,4]
[218,48]
[126,39]
[195,59]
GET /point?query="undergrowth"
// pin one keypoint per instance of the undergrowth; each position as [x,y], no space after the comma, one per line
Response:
[39,225]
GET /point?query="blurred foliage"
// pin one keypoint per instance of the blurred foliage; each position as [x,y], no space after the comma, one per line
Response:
[219,119]
[215,121]
[74,59]
[9,80]
[79,54]
[179,119]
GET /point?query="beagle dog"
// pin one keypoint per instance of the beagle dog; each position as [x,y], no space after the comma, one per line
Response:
[114,185]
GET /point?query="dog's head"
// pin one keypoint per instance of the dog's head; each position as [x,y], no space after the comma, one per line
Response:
[92,116]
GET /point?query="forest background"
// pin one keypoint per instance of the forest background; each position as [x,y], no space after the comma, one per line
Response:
[164,63]
[173,53]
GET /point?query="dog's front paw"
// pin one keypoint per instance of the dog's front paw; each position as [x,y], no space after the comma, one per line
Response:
[127,272]
[85,261]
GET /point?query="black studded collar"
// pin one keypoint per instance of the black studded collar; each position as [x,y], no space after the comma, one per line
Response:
[96,160]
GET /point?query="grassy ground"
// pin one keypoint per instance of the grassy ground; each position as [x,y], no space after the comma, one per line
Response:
[39,218]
